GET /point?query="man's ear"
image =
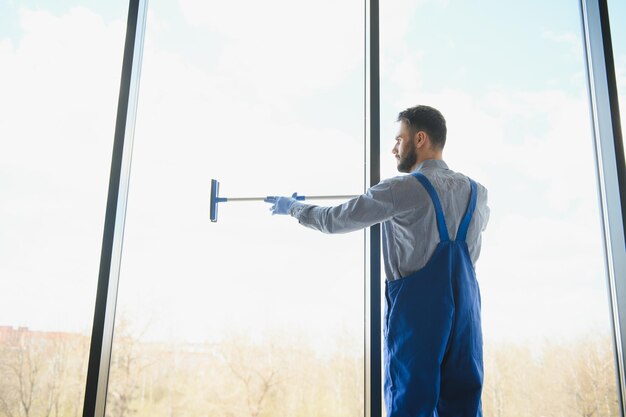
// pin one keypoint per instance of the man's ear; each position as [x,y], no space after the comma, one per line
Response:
[420,138]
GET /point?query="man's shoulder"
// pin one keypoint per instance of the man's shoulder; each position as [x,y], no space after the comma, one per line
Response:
[448,175]
[439,177]
[399,181]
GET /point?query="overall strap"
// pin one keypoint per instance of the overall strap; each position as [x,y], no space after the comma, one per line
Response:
[462,232]
[441,221]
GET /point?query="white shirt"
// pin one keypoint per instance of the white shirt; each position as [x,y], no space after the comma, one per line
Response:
[407,214]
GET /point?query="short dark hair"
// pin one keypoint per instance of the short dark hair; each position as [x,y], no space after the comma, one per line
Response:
[428,119]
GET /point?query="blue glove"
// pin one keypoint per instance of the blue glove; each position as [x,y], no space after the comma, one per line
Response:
[281,205]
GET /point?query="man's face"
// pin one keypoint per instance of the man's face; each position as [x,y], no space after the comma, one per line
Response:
[405,150]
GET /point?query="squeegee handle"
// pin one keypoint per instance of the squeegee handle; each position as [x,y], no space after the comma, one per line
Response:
[328,197]
[297,197]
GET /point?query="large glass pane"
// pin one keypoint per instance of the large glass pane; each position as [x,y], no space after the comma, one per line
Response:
[510,79]
[60,65]
[252,315]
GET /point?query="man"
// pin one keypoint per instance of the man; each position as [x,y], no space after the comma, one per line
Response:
[432,223]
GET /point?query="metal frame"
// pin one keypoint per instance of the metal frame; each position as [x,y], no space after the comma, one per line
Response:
[611,168]
[373,283]
[110,259]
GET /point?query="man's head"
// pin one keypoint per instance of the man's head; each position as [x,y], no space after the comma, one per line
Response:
[422,136]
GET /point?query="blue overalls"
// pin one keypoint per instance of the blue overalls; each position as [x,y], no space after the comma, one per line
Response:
[433,338]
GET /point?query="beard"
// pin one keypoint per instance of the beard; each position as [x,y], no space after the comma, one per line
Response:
[407,161]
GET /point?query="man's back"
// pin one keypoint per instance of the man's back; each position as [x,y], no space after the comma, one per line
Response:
[410,237]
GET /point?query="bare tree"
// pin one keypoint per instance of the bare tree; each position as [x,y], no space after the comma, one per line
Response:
[255,370]
[590,379]
[123,387]
[22,365]
[34,368]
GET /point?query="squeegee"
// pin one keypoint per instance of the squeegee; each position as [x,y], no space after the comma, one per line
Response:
[215,198]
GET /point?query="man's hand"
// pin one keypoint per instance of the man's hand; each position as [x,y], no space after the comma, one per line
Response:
[281,205]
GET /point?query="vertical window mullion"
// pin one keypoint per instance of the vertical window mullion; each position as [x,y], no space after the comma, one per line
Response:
[609,157]
[373,340]
[110,258]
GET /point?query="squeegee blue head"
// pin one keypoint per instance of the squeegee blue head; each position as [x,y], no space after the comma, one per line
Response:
[215,186]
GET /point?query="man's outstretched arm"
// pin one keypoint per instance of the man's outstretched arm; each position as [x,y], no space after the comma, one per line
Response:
[375,206]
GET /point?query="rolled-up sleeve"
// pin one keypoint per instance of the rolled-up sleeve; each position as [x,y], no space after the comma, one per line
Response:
[375,206]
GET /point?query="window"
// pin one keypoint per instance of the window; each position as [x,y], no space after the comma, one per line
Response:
[510,80]
[253,314]
[59,80]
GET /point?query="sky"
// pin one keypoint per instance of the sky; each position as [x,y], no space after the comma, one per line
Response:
[271,105]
